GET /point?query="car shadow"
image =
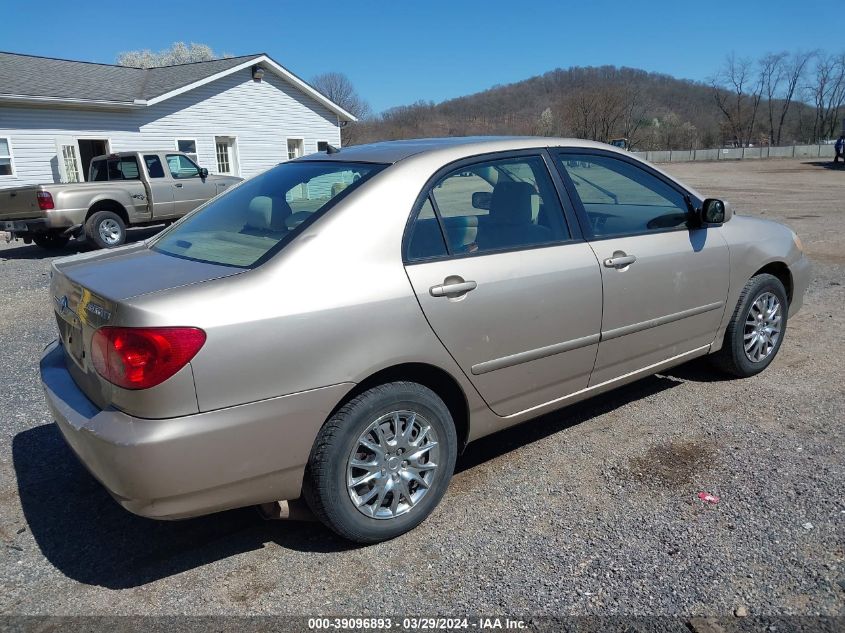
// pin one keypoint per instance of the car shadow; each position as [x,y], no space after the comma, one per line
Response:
[18,250]
[87,536]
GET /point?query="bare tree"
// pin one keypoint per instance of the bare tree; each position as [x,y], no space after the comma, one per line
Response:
[337,87]
[827,93]
[178,53]
[738,93]
[780,74]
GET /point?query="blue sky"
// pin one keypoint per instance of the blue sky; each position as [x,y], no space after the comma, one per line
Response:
[400,52]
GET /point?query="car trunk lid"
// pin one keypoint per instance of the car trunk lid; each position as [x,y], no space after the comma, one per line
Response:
[89,291]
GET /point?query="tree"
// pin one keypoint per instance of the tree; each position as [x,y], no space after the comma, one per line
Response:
[827,93]
[178,53]
[780,74]
[738,94]
[338,87]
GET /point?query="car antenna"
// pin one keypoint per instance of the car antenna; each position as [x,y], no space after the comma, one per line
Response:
[331,149]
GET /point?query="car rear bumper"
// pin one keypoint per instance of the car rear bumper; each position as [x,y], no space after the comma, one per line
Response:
[191,465]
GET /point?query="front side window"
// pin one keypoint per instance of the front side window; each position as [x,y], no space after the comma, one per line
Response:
[621,199]
[5,157]
[189,147]
[182,167]
[502,204]
[251,222]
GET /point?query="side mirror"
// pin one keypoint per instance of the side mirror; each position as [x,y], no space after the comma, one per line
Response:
[714,211]
[203,173]
[481,200]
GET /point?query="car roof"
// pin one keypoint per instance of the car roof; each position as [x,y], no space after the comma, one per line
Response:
[394,151]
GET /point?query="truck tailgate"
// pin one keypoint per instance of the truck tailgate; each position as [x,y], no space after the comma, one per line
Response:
[19,203]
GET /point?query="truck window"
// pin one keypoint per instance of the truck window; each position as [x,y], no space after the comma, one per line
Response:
[98,172]
[182,166]
[154,168]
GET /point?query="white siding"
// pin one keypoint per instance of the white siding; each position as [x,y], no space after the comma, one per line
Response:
[261,115]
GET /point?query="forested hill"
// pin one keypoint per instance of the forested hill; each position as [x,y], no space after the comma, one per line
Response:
[652,110]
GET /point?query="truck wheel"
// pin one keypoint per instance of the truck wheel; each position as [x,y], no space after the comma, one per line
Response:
[51,241]
[380,465]
[106,229]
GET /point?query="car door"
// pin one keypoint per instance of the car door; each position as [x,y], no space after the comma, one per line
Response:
[189,189]
[665,281]
[510,290]
[161,187]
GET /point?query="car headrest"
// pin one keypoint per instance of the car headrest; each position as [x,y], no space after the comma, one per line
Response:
[511,203]
[267,214]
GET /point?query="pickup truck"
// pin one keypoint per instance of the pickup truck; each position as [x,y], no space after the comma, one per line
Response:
[123,189]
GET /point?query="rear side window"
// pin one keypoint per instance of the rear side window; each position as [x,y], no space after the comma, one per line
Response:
[251,222]
[426,239]
[496,205]
[154,167]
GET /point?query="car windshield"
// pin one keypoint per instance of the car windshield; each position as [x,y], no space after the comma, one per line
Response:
[253,221]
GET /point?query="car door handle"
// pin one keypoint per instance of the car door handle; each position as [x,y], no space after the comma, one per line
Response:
[178,184]
[452,289]
[619,260]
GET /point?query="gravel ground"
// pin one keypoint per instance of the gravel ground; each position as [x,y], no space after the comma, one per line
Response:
[592,510]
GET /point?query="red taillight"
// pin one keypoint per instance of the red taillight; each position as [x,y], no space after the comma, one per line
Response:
[140,358]
[45,200]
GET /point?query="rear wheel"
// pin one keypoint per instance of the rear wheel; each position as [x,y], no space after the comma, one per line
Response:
[51,241]
[106,229]
[756,330]
[381,464]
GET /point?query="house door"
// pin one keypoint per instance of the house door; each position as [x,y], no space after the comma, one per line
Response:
[69,163]
[90,148]
[227,155]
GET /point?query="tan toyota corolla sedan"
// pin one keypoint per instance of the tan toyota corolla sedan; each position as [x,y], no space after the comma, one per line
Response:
[339,327]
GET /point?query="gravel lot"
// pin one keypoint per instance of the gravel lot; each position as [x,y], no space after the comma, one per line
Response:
[592,510]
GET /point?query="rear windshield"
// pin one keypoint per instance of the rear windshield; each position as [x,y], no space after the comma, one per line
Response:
[250,223]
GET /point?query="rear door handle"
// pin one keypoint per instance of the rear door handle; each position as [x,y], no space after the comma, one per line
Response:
[619,260]
[452,289]
[178,184]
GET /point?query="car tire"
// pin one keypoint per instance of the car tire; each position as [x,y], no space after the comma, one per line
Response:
[400,419]
[758,323]
[106,229]
[51,241]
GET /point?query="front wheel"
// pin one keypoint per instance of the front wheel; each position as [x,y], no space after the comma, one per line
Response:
[757,327]
[381,464]
[106,229]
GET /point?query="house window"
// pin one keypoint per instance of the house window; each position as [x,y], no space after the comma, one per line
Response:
[6,157]
[223,166]
[322,146]
[188,146]
[295,148]
[71,163]
[225,149]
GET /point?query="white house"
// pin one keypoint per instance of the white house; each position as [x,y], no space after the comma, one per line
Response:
[236,116]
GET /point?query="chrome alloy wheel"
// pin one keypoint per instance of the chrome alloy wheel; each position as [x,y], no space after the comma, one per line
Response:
[392,465]
[762,327]
[109,231]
